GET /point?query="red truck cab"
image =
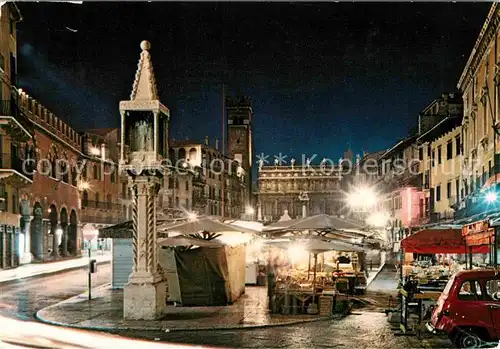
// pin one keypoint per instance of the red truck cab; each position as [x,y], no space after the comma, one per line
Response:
[468,310]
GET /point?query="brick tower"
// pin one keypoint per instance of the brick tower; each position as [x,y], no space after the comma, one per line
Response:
[239,137]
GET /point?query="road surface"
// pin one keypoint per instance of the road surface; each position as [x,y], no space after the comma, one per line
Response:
[21,299]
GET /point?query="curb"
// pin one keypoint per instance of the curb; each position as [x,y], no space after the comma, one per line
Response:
[52,272]
[376,274]
[114,328]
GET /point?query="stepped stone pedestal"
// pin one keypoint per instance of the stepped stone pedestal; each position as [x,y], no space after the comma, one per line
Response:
[145,301]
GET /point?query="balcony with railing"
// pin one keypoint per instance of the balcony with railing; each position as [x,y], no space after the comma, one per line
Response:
[87,217]
[16,171]
[101,205]
[13,121]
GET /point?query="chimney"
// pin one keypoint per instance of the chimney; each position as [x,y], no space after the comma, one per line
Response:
[216,144]
[206,140]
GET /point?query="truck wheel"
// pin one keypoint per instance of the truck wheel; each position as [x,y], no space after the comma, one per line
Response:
[467,340]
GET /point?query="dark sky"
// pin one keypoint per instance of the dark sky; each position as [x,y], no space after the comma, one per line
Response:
[322,76]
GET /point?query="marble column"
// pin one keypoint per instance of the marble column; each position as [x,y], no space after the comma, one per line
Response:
[27,256]
[64,240]
[146,293]
[55,245]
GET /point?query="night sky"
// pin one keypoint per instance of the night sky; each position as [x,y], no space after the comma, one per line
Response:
[323,77]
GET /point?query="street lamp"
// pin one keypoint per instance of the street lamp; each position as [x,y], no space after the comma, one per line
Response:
[90,234]
[491,197]
[362,198]
[249,212]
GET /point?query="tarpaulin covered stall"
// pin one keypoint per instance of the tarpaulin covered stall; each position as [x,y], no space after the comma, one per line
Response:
[439,240]
[197,277]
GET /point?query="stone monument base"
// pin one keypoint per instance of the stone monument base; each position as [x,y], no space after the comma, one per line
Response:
[147,301]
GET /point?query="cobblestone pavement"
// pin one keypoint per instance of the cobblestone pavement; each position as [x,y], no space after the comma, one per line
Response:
[105,312]
[360,330]
[365,328]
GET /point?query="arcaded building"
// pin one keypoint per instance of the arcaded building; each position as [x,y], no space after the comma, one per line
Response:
[280,188]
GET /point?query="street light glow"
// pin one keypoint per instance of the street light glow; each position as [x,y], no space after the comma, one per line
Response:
[362,198]
[83,185]
[491,197]
[250,210]
[95,151]
[192,216]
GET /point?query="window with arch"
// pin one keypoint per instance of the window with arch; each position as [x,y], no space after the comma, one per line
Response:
[53,164]
[85,199]
[112,175]
[96,172]
[182,154]
[108,201]
[171,182]
[187,185]
[192,154]
[63,168]
[97,199]
[74,176]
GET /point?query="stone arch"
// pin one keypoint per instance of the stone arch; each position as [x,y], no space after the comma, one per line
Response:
[64,227]
[37,231]
[73,233]
[171,155]
[54,220]
[182,154]
[95,171]
[24,243]
[192,154]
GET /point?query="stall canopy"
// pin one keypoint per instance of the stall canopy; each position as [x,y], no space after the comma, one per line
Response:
[181,240]
[201,224]
[321,222]
[439,240]
[315,244]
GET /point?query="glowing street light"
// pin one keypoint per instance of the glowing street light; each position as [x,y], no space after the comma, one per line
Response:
[95,151]
[250,210]
[491,197]
[362,198]
[192,216]
[83,185]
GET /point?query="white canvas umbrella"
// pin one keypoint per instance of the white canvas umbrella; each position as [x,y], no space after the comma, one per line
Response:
[181,240]
[203,224]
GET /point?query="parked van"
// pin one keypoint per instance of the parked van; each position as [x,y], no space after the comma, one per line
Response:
[468,310]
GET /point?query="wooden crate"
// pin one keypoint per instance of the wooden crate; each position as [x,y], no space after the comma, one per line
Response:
[325,305]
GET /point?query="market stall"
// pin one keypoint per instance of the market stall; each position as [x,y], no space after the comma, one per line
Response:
[423,281]
[296,290]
